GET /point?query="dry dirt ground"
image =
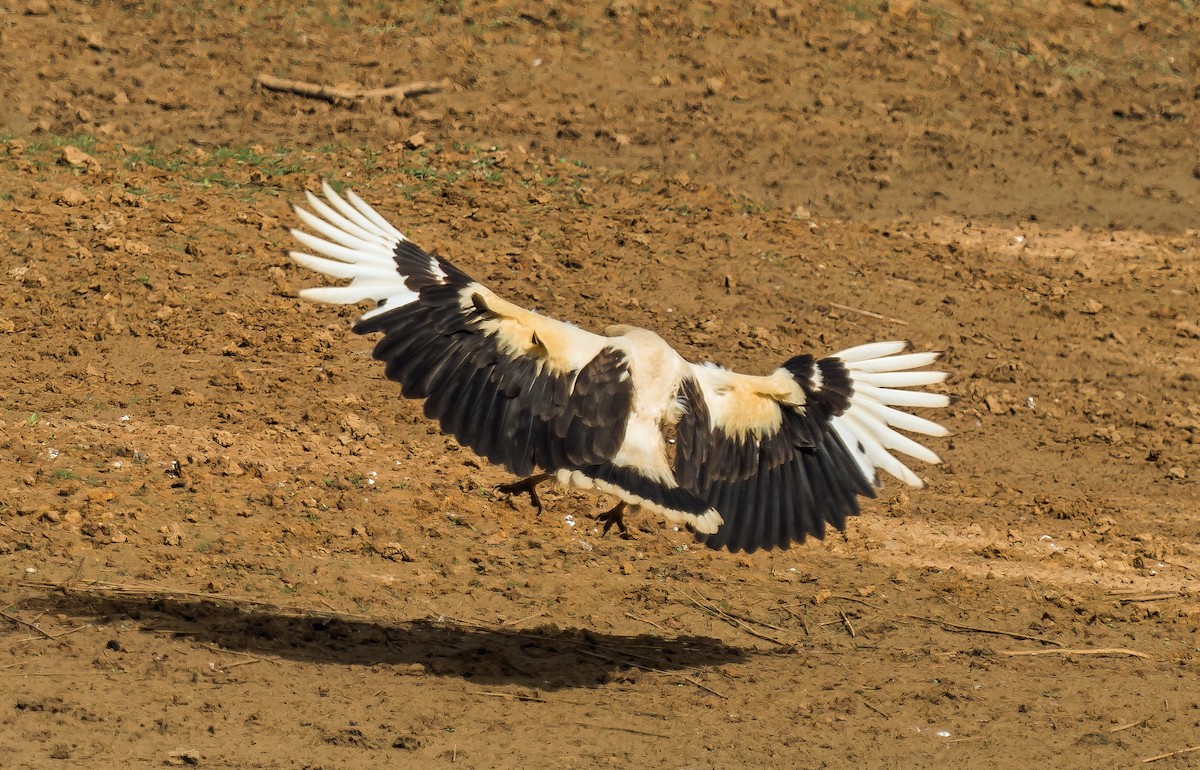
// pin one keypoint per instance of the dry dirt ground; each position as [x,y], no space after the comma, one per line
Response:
[226,542]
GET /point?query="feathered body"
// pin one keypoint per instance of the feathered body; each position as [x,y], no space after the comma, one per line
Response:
[757,461]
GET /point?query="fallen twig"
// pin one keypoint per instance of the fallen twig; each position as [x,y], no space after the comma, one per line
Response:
[979,629]
[1091,651]
[1155,597]
[633,730]
[847,624]
[519,621]
[1129,726]
[734,620]
[123,589]
[875,708]
[512,695]
[868,313]
[799,617]
[337,93]
[650,669]
[1188,750]
[26,623]
[693,680]
[631,616]
[252,657]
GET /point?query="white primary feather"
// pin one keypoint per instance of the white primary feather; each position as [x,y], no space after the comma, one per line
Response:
[871,350]
[892,397]
[348,209]
[868,426]
[354,242]
[896,363]
[899,379]
[336,269]
[342,223]
[373,215]
[338,235]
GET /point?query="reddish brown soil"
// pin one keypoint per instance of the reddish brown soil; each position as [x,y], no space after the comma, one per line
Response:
[225,541]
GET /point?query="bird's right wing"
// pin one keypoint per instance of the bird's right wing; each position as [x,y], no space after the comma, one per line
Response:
[781,456]
[521,389]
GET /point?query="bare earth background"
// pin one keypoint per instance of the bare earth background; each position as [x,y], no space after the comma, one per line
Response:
[225,542]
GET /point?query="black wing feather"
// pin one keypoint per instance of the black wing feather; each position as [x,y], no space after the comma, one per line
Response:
[776,489]
[511,409]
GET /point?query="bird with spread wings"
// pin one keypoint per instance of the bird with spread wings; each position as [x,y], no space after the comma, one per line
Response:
[745,462]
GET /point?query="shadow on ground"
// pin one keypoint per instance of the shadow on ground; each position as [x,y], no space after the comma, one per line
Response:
[546,657]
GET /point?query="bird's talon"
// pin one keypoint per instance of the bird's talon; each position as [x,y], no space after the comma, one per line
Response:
[526,486]
[614,517]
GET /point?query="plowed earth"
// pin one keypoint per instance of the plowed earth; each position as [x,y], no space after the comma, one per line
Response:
[225,541]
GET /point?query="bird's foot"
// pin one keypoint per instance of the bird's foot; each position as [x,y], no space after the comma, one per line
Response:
[526,486]
[614,517]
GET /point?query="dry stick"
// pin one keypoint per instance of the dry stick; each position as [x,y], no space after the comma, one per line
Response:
[26,623]
[652,669]
[1091,651]
[739,616]
[579,644]
[854,599]
[960,627]
[701,685]
[1150,597]
[613,656]
[54,673]
[335,93]
[631,616]
[868,313]
[846,622]
[512,695]
[799,617]
[252,656]
[633,730]
[519,621]
[70,631]
[734,621]
[1188,750]
[102,587]
[1129,726]
[875,708]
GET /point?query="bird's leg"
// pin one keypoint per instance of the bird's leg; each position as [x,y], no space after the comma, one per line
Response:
[526,486]
[615,515]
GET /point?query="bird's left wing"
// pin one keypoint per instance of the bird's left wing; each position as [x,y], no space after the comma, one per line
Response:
[521,389]
[781,456]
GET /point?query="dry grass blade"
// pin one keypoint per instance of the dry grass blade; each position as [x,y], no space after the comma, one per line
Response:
[868,313]
[512,696]
[1129,726]
[849,626]
[640,619]
[127,589]
[252,657]
[26,623]
[1170,754]
[733,620]
[950,626]
[519,621]
[1086,651]
[1151,597]
[875,708]
[633,730]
